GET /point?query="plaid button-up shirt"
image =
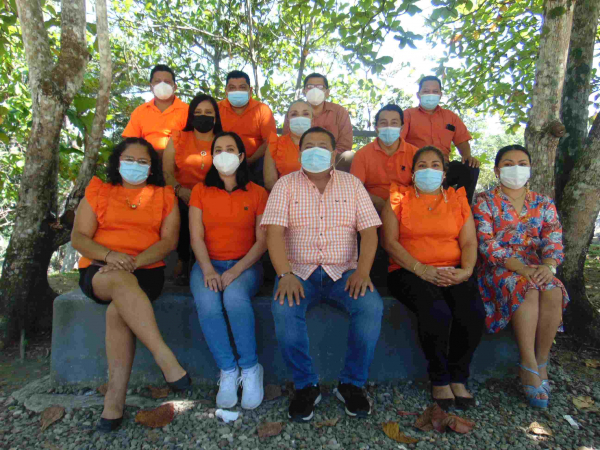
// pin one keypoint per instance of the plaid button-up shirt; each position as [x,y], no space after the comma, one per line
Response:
[320,228]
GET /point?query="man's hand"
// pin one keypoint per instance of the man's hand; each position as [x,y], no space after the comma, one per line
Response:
[358,283]
[471,161]
[289,285]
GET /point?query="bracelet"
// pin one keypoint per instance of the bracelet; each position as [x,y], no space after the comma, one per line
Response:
[284,274]
[415,267]
[424,272]
[107,255]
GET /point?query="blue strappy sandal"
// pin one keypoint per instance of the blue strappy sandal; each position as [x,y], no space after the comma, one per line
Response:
[545,382]
[531,392]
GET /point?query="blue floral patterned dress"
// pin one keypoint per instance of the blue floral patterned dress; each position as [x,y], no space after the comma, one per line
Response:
[502,234]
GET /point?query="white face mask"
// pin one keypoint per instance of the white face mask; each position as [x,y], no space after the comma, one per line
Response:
[315,96]
[226,163]
[515,177]
[163,90]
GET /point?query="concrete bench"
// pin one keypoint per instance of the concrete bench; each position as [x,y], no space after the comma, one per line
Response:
[79,357]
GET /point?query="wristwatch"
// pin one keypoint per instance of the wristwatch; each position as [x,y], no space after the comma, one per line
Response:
[552,268]
[284,274]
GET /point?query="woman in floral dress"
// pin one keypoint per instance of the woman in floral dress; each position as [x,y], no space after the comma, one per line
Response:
[520,243]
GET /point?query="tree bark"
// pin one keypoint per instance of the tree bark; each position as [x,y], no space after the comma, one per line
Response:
[577,89]
[579,206]
[544,128]
[53,86]
[303,55]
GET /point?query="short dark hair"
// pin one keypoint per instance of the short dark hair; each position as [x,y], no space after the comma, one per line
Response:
[509,148]
[199,98]
[237,74]
[390,107]
[161,68]
[429,78]
[156,174]
[316,75]
[429,149]
[242,175]
[318,130]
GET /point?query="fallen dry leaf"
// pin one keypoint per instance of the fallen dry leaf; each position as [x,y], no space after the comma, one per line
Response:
[327,423]
[269,429]
[593,363]
[583,402]
[406,413]
[392,430]
[539,429]
[459,424]
[50,415]
[103,389]
[272,391]
[157,393]
[157,417]
[435,418]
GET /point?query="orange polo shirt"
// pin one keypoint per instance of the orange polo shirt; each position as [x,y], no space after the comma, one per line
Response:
[376,169]
[122,228]
[431,237]
[254,125]
[229,218]
[148,122]
[285,153]
[440,129]
[192,158]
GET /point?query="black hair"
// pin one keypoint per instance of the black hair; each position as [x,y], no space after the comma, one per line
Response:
[237,74]
[155,176]
[199,98]
[427,149]
[161,68]
[242,175]
[390,107]
[316,75]
[318,130]
[509,148]
[429,78]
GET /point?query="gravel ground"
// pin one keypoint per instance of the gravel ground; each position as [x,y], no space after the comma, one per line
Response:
[502,420]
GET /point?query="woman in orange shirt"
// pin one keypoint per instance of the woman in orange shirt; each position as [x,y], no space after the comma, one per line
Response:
[429,234]
[283,154]
[186,161]
[123,230]
[225,215]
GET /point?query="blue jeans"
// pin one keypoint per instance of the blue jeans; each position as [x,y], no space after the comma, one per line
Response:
[365,324]
[236,300]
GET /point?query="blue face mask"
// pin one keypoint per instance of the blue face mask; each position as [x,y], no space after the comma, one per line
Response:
[316,159]
[389,135]
[299,125]
[428,180]
[133,172]
[238,98]
[430,101]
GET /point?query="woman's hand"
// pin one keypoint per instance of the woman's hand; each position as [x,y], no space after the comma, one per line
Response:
[185,194]
[108,268]
[452,276]
[528,272]
[212,280]
[228,276]
[429,274]
[121,260]
[542,274]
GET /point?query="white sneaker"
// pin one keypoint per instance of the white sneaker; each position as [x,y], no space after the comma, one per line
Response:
[228,386]
[252,387]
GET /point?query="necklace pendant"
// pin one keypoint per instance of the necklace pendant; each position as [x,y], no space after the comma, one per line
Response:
[202,166]
[430,208]
[134,206]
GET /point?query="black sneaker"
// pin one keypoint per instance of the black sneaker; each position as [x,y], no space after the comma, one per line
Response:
[302,407]
[355,399]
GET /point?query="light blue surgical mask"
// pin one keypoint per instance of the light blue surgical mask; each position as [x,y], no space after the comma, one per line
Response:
[238,98]
[299,125]
[389,135]
[134,172]
[428,180]
[316,159]
[430,101]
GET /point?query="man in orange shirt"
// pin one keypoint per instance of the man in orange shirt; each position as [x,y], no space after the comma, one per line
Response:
[154,120]
[429,124]
[252,120]
[331,116]
[387,159]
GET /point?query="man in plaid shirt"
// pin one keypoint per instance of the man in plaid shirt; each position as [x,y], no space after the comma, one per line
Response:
[312,219]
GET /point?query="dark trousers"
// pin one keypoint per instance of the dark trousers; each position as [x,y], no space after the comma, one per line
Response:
[462,175]
[450,320]
[183,246]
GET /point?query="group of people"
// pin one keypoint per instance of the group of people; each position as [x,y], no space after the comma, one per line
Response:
[230,188]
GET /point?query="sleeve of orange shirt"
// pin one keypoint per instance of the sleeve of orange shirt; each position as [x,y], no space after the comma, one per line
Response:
[196,196]
[277,210]
[359,167]
[91,192]
[461,134]
[134,127]
[344,141]
[267,126]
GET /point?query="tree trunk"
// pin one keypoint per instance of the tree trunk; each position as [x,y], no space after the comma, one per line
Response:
[544,128]
[577,89]
[579,206]
[303,55]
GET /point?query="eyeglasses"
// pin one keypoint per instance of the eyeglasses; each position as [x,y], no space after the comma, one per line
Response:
[130,159]
[318,86]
